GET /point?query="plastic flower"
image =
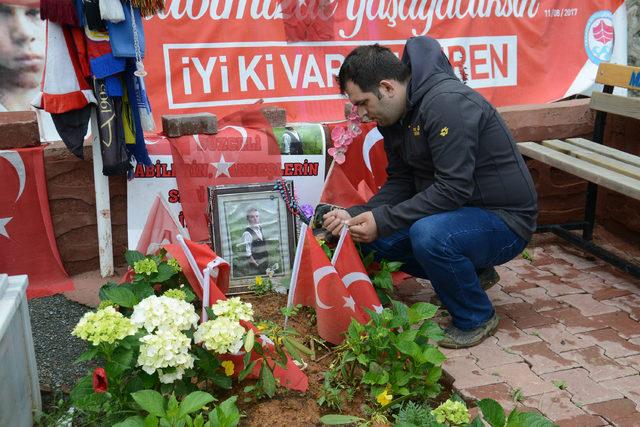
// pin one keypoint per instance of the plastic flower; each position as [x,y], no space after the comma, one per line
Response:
[100,382]
[353,114]
[307,210]
[221,335]
[229,367]
[176,293]
[104,326]
[341,136]
[145,266]
[338,154]
[454,412]
[384,397]
[174,264]
[167,348]
[164,312]
[234,309]
[354,129]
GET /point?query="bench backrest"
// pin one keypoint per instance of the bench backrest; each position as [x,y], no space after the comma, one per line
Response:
[623,76]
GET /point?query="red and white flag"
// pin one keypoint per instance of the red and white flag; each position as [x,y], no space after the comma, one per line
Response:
[27,242]
[316,283]
[354,275]
[160,229]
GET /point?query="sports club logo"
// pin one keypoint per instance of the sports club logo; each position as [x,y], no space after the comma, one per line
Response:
[599,37]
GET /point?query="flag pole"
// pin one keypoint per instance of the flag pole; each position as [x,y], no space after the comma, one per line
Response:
[343,235]
[103,206]
[295,269]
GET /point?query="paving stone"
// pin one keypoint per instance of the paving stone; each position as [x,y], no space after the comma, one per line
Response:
[562,269]
[616,278]
[542,360]
[498,297]
[507,276]
[454,352]
[582,388]
[573,320]
[466,373]
[613,344]
[490,354]
[525,317]
[555,405]
[520,376]
[587,305]
[600,367]
[615,410]
[499,392]
[629,303]
[633,361]
[621,322]
[608,293]
[583,420]
[509,335]
[556,287]
[518,286]
[589,283]
[539,299]
[560,339]
[635,340]
[628,386]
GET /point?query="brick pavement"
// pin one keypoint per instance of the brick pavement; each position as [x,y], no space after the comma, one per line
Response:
[568,343]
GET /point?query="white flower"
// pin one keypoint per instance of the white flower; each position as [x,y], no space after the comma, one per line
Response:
[221,335]
[234,309]
[164,313]
[166,348]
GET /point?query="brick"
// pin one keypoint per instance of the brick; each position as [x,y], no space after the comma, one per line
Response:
[613,344]
[520,376]
[587,305]
[507,276]
[572,255]
[489,354]
[175,125]
[616,278]
[629,303]
[276,116]
[590,284]
[621,322]
[609,293]
[573,320]
[451,353]
[560,339]
[556,287]
[517,286]
[509,335]
[539,299]
[582,388]
[19,129]
[562,269]
[600,367]
[615,410]
[466,373]
[542,360]
[633,361]
[628,386]
[555,405]
[499,392]
[583,420]
[498,297]
[525,317]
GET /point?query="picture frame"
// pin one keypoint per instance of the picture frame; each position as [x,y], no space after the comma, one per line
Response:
[252,229]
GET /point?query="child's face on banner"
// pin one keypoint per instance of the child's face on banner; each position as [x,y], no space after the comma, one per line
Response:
[22,45]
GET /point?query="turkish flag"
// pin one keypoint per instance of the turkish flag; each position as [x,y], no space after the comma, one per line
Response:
[316,284]
[243,151]
[160,229]
[291,376]
[27,243]
[349,266]
[363,172]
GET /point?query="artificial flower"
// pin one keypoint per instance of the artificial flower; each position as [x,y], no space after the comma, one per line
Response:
[100,382]
[164,312]
[229,367]
[234,309]
[145,266]
[337,154]
[353,114]
[307,210]
[451,411]
[221,335]
[104,326]
[340,136]
[166,348]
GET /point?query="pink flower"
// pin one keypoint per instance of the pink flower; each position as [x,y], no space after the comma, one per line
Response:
[340,136]
[337,154]
[354,129]
[353,115]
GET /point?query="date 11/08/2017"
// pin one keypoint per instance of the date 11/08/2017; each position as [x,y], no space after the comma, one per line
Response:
[558,13]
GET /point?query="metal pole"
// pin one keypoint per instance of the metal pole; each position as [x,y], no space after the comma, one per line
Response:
[103,207]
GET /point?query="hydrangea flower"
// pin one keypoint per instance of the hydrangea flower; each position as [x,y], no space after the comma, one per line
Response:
[454,412]
[104,326]
[234,309]
[174,264]
[164,312]
[221,335]
[145,266]
[176,293]
[167,348]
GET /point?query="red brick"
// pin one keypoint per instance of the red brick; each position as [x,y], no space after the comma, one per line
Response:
[600,367]
[616,278]
[466,373]
[499,392]
[582,421]
[520,376]
[517,286]
[589,283]
[539,299]
[542,360]
[633,361]
[573,320]
[609,293]
[560,339]
[555,405]
[498,297]
[525,317]
[587,305]
[509,335]
[613,344]
[562,269]
[621,322]
[582,388]
[629,386]
[556,287]
[489,354]
[614,410]
[629,303]
[19,129]
[175,125]
[276,116]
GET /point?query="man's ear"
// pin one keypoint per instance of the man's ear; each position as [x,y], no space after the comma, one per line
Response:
[388,88]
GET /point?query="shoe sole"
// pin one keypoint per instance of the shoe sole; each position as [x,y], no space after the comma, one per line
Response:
[489,333]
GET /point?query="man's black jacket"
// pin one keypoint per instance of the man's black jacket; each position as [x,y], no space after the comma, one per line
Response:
[451,149]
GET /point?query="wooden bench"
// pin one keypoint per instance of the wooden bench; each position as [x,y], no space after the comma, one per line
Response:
[596,163]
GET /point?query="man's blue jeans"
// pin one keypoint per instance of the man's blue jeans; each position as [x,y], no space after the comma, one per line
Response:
[447,249]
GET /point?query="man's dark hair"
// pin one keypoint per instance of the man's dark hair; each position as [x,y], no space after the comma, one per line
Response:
[366,66]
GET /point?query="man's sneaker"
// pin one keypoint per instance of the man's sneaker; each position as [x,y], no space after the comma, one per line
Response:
[457,338]
[488,278]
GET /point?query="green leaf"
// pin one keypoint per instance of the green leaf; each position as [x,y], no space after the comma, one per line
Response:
[421,311]
[292,350]
[337,419]
[165,272]
[151,421]
[392,266]
[83,397]
[247,370]
[194,401]
[400,314]
[141,290]
[434,374]
[189,296]
[528,419]
[132,257]
[249,340]
[87,355]
[104,287]
[298,345]
[221,380]
[226,414]
[476,422]
[492,412]
[122,296]
[198,421]
[268,381]
[173,407]
[121,360]
[151,401]
[410,348]
[135,421]
[432,355]
[383,280]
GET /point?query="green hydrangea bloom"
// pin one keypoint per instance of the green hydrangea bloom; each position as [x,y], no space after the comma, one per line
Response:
[145,266]
[106,303]
[454,412]
[176,293]
[104,326]
[174,264]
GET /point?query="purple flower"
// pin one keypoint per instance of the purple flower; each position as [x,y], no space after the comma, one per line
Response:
[307,210]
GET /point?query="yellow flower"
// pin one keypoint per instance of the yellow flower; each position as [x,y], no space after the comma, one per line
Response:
[228,367]
[262,326]
[384,398]
[258,280]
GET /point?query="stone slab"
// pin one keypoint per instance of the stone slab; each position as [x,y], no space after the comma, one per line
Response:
[176,125]
[19,129]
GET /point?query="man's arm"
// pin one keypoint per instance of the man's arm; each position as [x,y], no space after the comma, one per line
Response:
[452,134]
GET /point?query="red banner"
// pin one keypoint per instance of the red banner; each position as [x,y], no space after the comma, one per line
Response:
[215,55]
[27,243]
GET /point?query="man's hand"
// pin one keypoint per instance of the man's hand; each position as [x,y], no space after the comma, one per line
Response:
[363,228]
[335,220]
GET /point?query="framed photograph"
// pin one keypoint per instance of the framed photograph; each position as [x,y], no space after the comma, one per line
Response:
[253,230]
